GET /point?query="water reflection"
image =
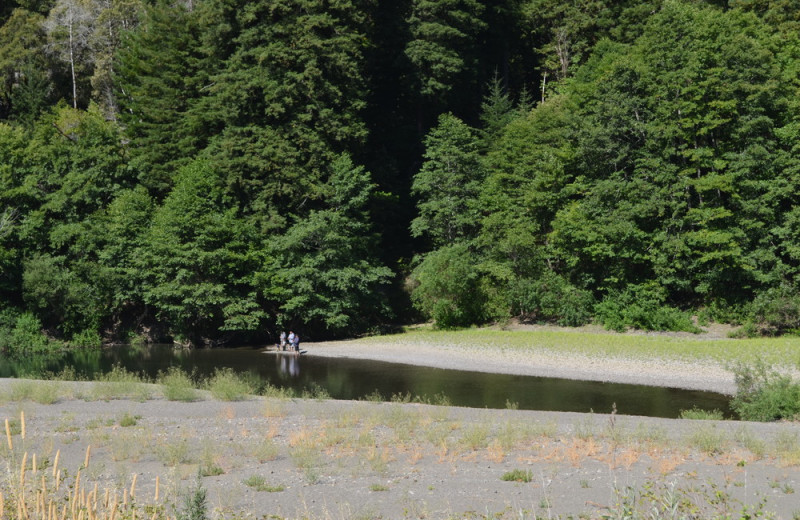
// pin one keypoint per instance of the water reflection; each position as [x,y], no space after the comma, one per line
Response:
[358,379]
[289,364]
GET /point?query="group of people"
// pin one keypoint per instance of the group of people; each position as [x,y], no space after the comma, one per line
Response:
[290,342]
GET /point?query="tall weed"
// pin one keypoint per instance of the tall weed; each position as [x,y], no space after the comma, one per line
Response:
[177,385]
[764,394]
[227,385]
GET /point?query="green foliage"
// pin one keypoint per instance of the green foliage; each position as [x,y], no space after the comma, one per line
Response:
[329,278]
[763,394]
[227,385]
[446,287]
[700,414]
[86,339]
[777,311]
[51,288]
[259,483]
[443,43]
[517,475]
[23,86]
[195,505]
[551,299]
[120,383]
[21,335]
[127,420]
[157,78]
[285,98]
[448,183]
[197,186]
[642,307]
[198,263]
[177,385]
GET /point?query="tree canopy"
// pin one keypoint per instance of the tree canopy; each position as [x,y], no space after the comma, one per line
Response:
[210,171]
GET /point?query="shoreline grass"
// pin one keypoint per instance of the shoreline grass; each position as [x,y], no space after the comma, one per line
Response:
[781,351]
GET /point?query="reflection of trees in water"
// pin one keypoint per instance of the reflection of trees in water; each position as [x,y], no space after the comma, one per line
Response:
[32,365]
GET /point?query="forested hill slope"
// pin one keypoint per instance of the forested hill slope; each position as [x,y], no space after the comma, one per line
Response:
[214,170]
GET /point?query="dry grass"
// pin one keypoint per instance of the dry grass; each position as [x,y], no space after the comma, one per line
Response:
[384,439]
[36,490]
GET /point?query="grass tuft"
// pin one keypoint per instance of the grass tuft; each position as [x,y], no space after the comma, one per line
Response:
[177,385]
[517,475]
[227,385]
[696,413]
[119,383]
[259,483]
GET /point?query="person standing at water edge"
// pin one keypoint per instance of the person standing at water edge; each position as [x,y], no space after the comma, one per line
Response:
[296,343]
[291,339]
[282,343]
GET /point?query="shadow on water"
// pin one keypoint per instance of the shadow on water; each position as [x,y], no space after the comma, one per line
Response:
[358,379]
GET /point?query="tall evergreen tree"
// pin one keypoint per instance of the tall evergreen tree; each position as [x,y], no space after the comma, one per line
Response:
[444,42]
[448,184]
[23,66]
[199,261]
[287,101]
[157,82]
[329,278]
[679,153]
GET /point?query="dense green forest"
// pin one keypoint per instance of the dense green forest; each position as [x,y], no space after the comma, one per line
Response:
[209,171]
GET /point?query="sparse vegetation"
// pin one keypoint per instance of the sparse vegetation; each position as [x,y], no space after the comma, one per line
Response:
[365,441]
[227,385]
[259,483]
[128,420]
[517,475]
[177,385]
[119,383]
[700,414]
[777,351]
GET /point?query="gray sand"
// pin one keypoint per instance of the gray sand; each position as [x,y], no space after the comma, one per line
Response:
[343,459]
[657,372]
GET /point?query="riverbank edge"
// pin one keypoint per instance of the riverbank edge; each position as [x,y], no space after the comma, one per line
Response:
[708,376]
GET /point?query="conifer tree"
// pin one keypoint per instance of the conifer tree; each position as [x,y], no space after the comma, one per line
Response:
[329,278]
[448,184]
[157,82]
[287,101]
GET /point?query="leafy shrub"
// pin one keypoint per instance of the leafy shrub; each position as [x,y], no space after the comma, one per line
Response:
[642,307]
[776,312]
[87,338]
[551,299]
[748,330]
[128,420]
[8,319]
[60,294]
[26,336]
[195,504]
[763,394]
[446,287]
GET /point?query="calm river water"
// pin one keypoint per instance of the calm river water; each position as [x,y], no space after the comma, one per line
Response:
[357,379]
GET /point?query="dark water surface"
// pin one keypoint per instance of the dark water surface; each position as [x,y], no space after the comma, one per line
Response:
[357,379]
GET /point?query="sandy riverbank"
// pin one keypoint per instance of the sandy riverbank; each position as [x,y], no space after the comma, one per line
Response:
[282,458]
[707,376]
[319,460]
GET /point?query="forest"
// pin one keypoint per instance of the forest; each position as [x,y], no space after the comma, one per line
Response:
[208,172]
